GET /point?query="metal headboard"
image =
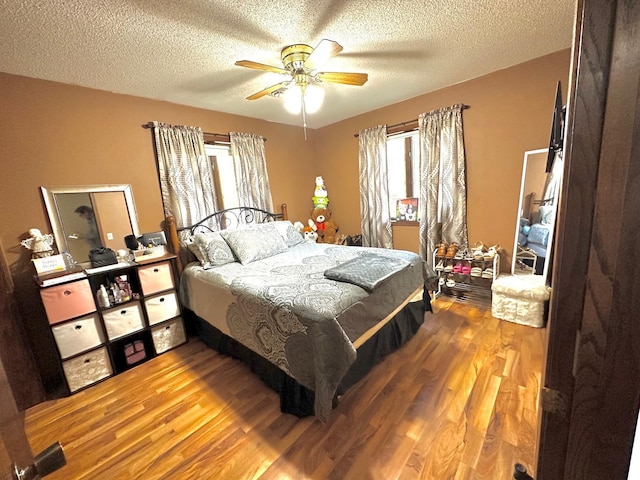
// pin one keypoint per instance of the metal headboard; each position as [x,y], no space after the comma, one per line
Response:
[218,221]
[230,218]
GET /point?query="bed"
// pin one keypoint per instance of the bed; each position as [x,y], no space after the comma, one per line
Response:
[310,319]
[535,229]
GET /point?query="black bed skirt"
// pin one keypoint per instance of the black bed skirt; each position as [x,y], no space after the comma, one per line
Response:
[297,399]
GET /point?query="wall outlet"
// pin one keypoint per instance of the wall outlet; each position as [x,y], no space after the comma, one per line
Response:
[109,236]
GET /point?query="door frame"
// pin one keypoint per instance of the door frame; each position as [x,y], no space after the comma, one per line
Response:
[592,355]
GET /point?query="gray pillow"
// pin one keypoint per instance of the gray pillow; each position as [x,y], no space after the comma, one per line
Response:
[213,249]
[255,243]
[292,237]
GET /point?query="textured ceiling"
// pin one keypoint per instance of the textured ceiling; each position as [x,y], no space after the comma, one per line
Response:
[184,51]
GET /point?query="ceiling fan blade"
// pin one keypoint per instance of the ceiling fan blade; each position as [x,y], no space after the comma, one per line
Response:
[345,78]
[325,50]
[261,66]
[267,91]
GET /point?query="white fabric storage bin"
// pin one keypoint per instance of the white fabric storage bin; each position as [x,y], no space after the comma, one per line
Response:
[78,335]
[123,320]
[168,335]
[87,369]
[520,299]
[162,307]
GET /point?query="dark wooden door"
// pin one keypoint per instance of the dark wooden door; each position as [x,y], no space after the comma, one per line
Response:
[593,351]
[17,374]
[14,446]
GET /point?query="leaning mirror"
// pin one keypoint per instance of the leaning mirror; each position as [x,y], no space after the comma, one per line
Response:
[537,208]
[84,217]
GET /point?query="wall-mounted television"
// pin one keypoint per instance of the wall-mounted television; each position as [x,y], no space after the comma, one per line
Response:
[557,128]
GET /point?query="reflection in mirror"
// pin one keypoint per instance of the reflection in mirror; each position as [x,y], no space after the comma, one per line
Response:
[89,216]
[539,193]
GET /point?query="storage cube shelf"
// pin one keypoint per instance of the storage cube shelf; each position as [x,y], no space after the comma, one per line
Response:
[95,342]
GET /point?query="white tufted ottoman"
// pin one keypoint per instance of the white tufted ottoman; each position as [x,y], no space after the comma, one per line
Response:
[520,299]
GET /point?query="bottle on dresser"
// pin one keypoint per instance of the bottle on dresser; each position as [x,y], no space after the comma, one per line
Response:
[103,297]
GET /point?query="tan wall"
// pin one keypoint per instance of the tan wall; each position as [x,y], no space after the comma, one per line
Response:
[54,134]
[511,112]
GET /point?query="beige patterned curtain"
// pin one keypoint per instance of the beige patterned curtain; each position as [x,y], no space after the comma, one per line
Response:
[374,188]
[186,179]
[247,150]
[443,187]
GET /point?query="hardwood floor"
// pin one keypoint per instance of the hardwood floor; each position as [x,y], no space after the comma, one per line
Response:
[459,401]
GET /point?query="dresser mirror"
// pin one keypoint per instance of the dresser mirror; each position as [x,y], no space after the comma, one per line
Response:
[539,192]
[84,217]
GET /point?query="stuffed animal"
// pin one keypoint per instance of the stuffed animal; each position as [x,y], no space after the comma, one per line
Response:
[320,197]
[310,234]
[308,231]
[326,226]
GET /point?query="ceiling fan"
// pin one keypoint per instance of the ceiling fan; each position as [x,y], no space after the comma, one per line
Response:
[301,63]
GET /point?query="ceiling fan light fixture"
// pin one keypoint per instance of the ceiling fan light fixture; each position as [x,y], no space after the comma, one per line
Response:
[293,99]
[313,98]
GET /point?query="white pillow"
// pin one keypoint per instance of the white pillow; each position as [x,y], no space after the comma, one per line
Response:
[195,249]
[292,237]
[214,251]
[546,214]
[255,242]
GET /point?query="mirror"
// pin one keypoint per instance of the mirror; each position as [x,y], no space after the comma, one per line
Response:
[539,193]
[84,217]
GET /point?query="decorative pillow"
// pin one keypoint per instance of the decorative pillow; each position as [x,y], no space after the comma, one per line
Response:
[292,237]
[546,214]
[214,250]
[255,243]
[195,249]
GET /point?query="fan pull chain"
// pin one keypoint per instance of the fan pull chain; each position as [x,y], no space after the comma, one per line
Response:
[304,117]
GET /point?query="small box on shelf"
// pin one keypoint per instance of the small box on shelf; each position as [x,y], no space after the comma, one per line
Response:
[132,350]
[149,253]
[50,264]
[60,276]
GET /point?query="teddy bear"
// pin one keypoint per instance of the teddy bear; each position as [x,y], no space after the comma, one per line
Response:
[326,226]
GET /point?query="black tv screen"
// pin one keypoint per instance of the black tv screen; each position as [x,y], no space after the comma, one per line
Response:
[557,128]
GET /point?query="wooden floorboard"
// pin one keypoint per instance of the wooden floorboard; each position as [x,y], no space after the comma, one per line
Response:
[458,402]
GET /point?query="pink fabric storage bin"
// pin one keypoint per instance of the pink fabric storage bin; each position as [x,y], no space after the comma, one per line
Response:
[66,301]
[155,278]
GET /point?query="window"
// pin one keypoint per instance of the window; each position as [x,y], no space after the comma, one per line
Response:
[224,175]
[403,167]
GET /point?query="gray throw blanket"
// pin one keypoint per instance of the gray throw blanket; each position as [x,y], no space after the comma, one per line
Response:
[367,271]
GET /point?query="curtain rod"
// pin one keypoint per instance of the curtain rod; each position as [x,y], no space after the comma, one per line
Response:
[413,123]
[222,137]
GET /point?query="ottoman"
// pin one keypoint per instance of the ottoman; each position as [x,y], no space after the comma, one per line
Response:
[520,299]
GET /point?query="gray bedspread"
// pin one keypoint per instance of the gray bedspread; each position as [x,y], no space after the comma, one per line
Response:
[367,271]
[285,309]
